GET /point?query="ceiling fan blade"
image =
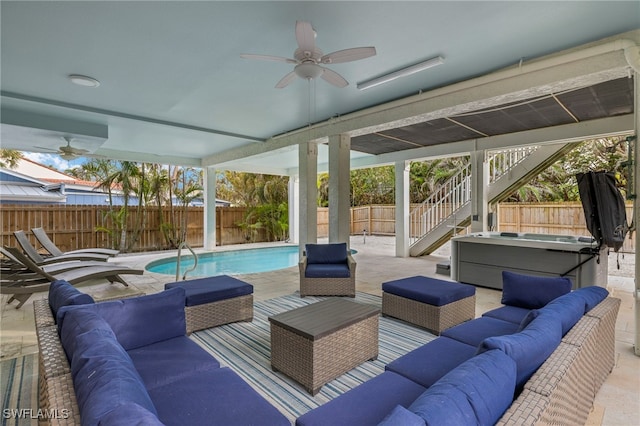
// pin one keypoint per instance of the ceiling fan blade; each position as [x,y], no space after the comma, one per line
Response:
[334,78]
[47,149]
[78,151]
[348,55]
[268,58]
[305,36]
[286,80]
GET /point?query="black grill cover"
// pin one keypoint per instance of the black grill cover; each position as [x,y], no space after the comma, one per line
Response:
[603,207]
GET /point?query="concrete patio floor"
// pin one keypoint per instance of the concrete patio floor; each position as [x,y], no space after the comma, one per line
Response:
[617,402]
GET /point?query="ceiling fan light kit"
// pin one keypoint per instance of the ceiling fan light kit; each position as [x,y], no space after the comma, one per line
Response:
[404,72]
[83,80]
[308,58]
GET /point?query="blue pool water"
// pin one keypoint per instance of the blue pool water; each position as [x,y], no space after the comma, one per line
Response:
[231,262]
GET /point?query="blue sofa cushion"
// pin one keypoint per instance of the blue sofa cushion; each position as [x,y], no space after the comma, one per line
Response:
[327,270]
[79,320]
[217,396]
[529,348]
[326,253]
[402,416]
[474,332]
[104,377]
[61,293]
[212,289]
[429,290]
[428,363]
[567,309]
[532,292]
[592,296]
[141,321]
[508,313]
[477,392]
[130,414]
[366,404]
[169,360]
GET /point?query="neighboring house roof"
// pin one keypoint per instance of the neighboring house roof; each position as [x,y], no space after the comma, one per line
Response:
[18,188]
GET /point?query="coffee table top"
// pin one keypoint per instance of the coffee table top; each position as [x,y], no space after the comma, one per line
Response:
[323,318]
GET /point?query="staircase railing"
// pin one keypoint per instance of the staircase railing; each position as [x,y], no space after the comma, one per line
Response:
[455,193]
[195,261]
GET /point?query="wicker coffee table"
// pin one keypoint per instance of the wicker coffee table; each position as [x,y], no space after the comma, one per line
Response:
[319,342]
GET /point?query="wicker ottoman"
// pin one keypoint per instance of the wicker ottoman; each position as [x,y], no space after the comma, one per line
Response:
[428,302]
[214,301]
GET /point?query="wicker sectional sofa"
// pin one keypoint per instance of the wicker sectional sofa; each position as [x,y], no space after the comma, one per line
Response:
[130,362]
[539,359]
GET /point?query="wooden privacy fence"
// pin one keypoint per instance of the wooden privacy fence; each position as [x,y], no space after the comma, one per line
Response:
[74,226]
[77,226]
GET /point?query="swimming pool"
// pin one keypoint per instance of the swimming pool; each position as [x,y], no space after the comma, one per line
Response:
[231,262]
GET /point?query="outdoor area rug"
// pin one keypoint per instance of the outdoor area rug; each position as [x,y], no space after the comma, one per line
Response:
[19,390]
[245,347]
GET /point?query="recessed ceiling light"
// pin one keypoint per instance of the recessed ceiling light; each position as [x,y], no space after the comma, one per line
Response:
[83,80]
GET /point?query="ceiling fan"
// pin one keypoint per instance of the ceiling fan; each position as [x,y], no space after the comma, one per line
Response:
[68,152]
[308,58]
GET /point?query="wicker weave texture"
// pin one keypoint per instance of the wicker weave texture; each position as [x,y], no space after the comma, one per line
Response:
[42,313]
[562,390]
[315,363]
[212,314]
[433,318]
[328,286]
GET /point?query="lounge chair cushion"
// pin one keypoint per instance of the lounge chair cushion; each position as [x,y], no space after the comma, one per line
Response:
[428,363]
[327,270]
[212,289]
[104,377]
[402,416]
[326,253]
[532,292]
[592,296]
[217,396]
[529,348]
[477,392]
[429,290]
[508,313]
[61,293]
[474,332]
[164,362]
[367,404]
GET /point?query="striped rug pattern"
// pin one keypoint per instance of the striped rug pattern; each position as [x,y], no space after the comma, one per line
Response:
[19,390]
[245,347]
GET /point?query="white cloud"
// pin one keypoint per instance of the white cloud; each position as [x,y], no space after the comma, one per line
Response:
[53,160]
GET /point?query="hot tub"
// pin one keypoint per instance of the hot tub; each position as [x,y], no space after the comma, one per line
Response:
[480,258]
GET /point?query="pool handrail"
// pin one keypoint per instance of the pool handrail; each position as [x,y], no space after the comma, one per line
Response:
[195,263]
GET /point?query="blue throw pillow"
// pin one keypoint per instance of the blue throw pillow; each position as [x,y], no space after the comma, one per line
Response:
[532,292]
[402,416]
[141,321]
[529,348]
[592,296]
[477,392]
[326,253]
[61,293]
[104,377]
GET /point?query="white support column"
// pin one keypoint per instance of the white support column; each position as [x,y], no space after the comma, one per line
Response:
[294,209]
[636,209]
[479,190]
[339,188]
[209,208]
[308,200]
[402,208]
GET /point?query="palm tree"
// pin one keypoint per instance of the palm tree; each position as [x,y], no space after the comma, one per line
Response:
[9,158]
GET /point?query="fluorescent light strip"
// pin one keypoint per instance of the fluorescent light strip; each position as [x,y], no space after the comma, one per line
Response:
[430,63]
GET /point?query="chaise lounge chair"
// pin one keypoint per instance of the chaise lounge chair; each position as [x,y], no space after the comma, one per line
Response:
[54,250]
[38,259]
[21,287]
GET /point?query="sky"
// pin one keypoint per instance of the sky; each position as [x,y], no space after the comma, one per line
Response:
[54,160]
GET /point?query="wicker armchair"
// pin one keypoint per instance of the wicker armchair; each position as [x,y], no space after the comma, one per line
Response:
[327,270]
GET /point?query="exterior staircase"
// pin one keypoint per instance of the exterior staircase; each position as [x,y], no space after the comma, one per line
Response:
[447,211]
